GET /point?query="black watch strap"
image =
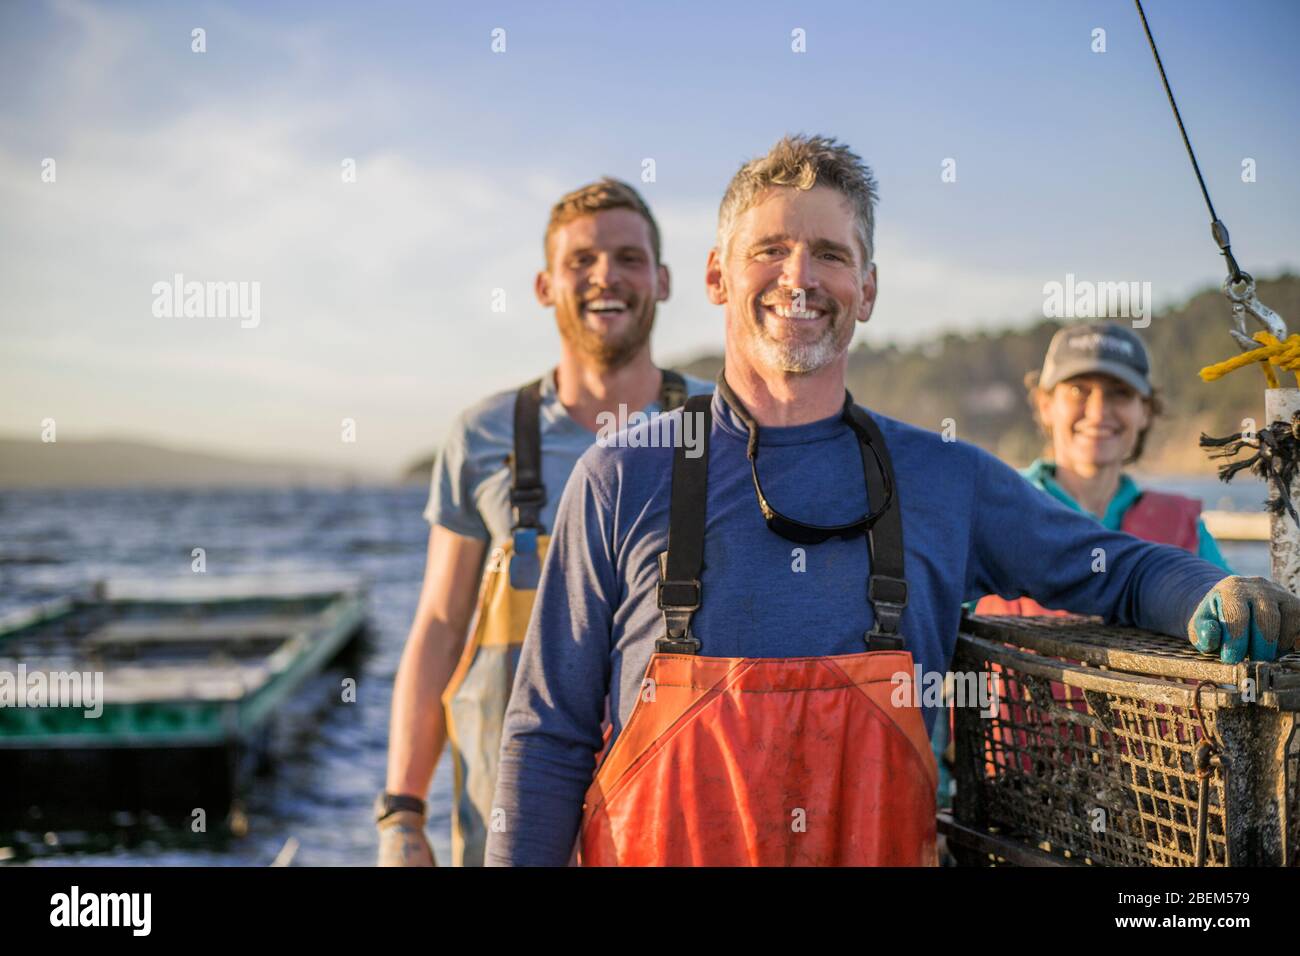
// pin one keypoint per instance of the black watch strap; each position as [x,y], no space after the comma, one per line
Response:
[386,804]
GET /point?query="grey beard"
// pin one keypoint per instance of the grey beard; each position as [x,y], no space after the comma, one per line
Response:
[801,358]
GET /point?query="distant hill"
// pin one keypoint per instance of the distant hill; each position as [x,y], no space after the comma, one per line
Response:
[978,381]
[108,463]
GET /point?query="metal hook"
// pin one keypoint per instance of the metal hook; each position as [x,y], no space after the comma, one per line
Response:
[1208,759]
[1241,293]
[1196,706]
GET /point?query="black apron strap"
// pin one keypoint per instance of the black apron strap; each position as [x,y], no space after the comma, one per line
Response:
[887,586]
[527,493]
[680,565]
[672,393]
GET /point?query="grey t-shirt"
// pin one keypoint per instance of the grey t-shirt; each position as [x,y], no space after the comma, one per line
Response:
[470,491]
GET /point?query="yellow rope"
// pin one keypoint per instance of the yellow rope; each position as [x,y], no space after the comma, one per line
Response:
[1283,355]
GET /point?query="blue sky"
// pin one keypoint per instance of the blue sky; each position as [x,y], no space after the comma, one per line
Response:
[376,294]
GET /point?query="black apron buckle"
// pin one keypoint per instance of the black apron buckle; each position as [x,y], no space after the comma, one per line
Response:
[888,597]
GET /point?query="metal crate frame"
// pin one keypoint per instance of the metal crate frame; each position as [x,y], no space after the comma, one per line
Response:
[1094,718]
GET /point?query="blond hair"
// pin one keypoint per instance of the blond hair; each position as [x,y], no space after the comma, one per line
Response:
[604,193]
[803,162]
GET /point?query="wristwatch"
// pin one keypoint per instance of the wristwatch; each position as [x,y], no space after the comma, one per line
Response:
[387,804]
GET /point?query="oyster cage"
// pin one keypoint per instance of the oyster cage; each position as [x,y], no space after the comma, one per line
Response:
[1091,756]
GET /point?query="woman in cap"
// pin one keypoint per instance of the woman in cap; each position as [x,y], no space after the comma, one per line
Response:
[1094,401]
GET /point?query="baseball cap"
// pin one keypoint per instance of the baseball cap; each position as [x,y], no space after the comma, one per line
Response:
[1098,347]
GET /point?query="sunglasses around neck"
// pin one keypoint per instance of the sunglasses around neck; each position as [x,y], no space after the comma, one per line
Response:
[801,532]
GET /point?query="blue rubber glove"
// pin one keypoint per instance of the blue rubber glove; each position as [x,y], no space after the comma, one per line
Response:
[1245,617]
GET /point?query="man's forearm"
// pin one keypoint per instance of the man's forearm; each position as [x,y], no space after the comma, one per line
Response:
[417,727]
[1027,543]
[1167,592]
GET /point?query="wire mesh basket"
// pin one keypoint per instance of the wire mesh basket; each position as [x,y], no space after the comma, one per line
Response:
[1120,747]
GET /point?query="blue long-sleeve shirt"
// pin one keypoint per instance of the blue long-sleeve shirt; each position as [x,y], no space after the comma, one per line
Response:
[971,526]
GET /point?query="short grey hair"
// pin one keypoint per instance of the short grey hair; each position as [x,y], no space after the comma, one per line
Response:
[803,162]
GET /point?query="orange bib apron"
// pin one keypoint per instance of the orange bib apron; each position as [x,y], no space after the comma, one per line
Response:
[768,761]
[478,693]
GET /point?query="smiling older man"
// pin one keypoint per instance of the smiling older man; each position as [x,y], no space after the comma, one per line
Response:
[748,612]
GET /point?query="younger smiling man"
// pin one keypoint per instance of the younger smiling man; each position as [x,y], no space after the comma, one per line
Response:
[496,482]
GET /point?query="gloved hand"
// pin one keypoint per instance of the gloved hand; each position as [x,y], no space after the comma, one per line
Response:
[403,842]
[1245,617]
